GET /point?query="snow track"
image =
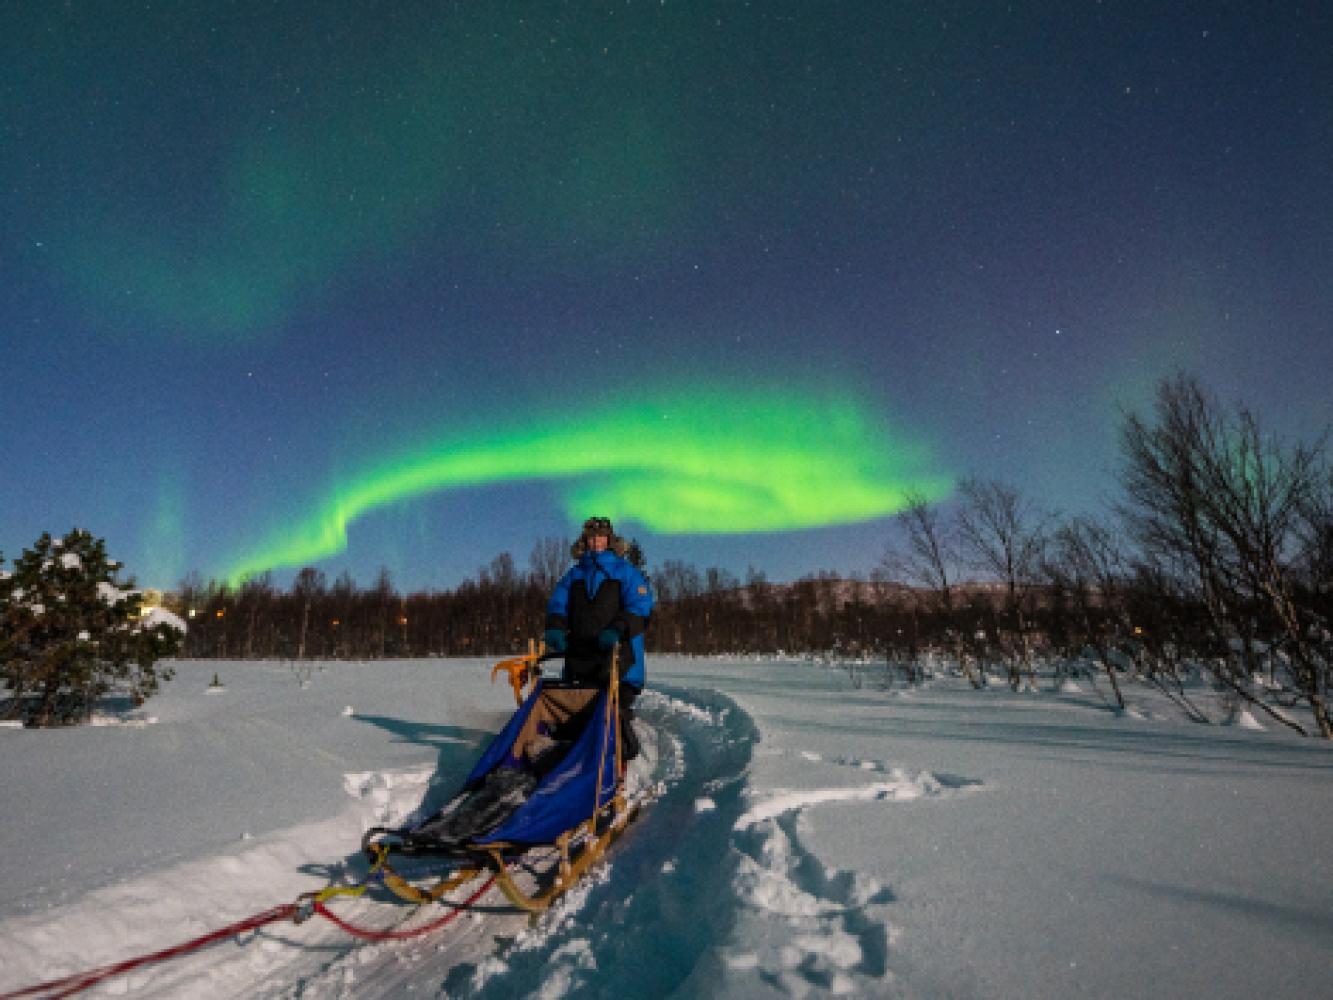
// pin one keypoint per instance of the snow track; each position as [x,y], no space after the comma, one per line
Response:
[664,891]
[809,838]
[712,881]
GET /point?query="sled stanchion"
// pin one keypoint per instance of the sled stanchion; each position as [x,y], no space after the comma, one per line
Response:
[568,871]
[405,890]
[612,719]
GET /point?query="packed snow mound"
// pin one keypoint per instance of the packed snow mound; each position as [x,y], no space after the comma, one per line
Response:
[902,787]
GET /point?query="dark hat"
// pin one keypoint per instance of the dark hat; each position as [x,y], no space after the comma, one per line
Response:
[593,527]
[598,526]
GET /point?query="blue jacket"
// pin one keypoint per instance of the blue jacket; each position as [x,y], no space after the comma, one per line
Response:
[602,590]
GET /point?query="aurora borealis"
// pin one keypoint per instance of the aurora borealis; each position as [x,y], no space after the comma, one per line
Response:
[408,284]
[735,462]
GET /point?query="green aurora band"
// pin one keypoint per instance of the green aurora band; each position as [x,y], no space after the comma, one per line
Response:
[696,463]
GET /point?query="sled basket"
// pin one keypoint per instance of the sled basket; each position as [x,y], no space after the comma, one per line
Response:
[553,765]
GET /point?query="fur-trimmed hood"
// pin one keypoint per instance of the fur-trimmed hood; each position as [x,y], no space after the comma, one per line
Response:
[598,526]
[615,544]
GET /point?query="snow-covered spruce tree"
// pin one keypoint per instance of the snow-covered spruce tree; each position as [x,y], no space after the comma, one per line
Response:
[70,633]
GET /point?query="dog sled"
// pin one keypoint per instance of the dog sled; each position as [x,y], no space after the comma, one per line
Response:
[540,807]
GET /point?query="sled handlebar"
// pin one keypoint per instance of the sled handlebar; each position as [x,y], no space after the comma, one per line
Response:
[524,669]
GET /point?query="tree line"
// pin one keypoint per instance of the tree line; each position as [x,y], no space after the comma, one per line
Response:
[1218,549]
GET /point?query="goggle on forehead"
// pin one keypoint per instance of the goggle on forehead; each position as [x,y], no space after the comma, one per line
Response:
[597,526]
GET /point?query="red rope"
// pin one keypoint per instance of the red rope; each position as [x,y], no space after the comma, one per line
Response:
[68,985]
[373,935]
[79,981]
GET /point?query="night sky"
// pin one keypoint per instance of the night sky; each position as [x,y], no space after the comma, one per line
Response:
[408,284]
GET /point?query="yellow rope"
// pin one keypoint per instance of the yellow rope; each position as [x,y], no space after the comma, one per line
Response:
[381,861]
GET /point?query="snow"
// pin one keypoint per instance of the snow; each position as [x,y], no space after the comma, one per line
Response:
[1244,719]
[810,838]
[153,617]
[111,594]
[903,787]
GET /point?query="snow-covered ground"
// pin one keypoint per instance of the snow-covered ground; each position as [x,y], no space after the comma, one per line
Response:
[813,837]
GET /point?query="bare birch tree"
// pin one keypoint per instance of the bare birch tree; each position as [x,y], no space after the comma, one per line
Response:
[1003,533]
[548,561]
[1087,563]
[929,558]
[1212,487]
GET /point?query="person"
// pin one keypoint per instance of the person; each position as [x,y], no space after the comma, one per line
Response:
[602,604]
